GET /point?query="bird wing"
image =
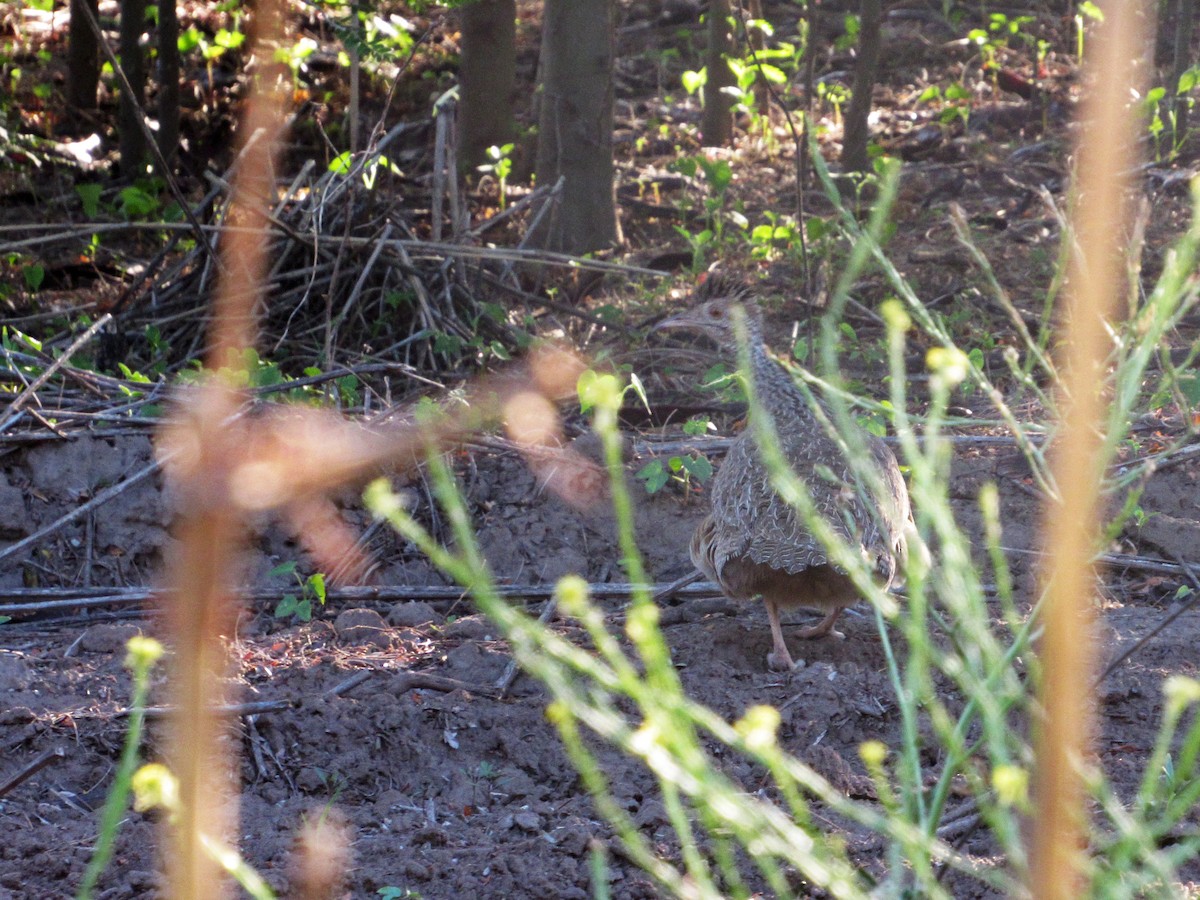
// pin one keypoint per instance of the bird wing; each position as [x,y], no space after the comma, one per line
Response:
[751,520]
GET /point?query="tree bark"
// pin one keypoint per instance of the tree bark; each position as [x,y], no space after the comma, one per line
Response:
[855,132]
[716,127]
[133,64]
[1185,14]
[575,129]
[83,57]
[168,80]
[487,78]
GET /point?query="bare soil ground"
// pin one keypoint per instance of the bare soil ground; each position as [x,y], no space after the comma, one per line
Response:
[450,789]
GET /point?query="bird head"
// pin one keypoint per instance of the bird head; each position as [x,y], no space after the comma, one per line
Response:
[711,310]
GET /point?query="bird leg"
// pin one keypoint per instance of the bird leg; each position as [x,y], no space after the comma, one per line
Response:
[779,659]
[824,627]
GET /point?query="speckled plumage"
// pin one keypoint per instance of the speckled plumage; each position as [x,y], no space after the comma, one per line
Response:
[754,543]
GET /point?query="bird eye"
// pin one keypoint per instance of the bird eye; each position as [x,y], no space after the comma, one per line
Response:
[715,312]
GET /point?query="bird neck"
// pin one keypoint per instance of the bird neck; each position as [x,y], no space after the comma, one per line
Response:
[773,384]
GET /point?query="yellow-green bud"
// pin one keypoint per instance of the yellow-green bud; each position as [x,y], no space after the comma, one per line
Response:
[759,726]
[572,593]
[895,315]
[873,753]
[141,653]
[155,786]
[1011,784]
[948,363]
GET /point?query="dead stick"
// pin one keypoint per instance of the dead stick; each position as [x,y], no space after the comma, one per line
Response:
[1166,620]
[15,406]
[504,682]
[99,500]
[39,762]
[25,601]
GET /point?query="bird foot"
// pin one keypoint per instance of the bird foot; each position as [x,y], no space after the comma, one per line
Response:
[820,631]
[780,661]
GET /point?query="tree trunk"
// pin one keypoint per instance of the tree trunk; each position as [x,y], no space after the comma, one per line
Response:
[133,64]
[855,133]
[83,57]
[487,78]
[575,129]
[168,80]
[716,128]
[1185,13]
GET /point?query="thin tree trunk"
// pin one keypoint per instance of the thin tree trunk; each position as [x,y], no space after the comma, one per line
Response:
[83,57]
[487,78]
[1185,13]
[168,79]
[132,140]
[855,132]
[716,127]
[575,131]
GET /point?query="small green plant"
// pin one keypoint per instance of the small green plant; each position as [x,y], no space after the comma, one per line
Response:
[1085,13]
[718,175]
[394,893]
[656,474]
[212,49]
[300,604]
[836,95]
[344,164]
[954,102]
[156,787]
[778,234]
[295,57]
[500,165]
[139,202]
[140,657]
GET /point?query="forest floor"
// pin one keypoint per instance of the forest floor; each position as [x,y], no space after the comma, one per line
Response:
[451,787]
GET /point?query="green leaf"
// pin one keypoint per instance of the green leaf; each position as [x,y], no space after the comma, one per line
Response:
[90,195]
[639,389]
[229,40]
[1189,385]
[699,467]
[188,40]
[131,375]
[716,377]
[773,74]
[136,203]
[34,276]
[316,581]
[287,606]
[654,475]
[286,568]
[693,81]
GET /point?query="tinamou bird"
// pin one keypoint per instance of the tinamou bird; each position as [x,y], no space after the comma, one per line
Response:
[756,544]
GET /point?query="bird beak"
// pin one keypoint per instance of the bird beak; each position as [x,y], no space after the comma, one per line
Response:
[680,321]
